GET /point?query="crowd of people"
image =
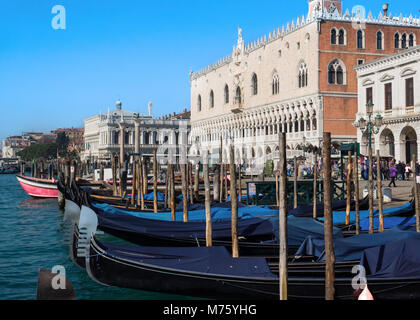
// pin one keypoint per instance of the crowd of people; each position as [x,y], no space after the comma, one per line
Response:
[390,169]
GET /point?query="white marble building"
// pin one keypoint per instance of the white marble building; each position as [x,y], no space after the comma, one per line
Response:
[102,132]
[392,84]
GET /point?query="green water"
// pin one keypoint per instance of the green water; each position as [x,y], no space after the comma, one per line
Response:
[33,236]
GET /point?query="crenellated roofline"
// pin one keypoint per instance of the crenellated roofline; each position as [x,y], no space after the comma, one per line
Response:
[388,20]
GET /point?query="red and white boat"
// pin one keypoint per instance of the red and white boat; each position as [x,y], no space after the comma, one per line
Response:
[38,188]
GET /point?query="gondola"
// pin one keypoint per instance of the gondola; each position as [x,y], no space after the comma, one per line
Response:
[213,273]
[149,232]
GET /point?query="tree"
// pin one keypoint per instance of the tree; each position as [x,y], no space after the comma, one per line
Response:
[62,142]
[37,151]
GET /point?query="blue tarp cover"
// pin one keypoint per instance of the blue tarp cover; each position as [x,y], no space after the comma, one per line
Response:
[176,229]
[217,212]
[306,211]
[298,229]
[339,217]
[389,222]
[149,197]
[349,249]
[213,260]
[397,259]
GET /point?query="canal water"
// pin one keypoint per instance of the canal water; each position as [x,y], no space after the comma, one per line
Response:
[33,236]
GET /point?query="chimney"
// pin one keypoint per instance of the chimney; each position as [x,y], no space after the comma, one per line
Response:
[385,7]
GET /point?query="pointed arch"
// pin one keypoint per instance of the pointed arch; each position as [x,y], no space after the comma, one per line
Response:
[380,41]
[254,84]
[333,34]
[238,95]
[404,41]
[342,36]
[412,40]
[226,94]
[275,83]
[211,99]
[199,103]
[302,74]
[397,40]
[337,72]
[360,39]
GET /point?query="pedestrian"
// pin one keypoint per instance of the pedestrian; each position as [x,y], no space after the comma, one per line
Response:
[407,171]
[400,171]
[392,175]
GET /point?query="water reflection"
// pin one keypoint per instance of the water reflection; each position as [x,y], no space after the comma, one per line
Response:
[36,203]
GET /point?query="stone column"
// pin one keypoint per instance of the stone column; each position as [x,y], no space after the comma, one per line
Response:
[122,136]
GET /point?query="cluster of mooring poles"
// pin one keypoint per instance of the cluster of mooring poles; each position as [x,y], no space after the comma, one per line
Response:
[352,192]
[185,177]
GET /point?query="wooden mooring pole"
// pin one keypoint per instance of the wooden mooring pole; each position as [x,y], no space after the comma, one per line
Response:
[356,192]
[282,196]
[370,192]
[221,165]
[134,183]
[184,191]
[348,188]
[197,180]
[240,182]
[379,191]
[155,208]
[295,179]
[209,231]
[234,203]
[315,187]
[416,193]
[172,188]
[114,176]
[328,220]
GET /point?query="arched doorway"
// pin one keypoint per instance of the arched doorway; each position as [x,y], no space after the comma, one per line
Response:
[408,140]
[387,143]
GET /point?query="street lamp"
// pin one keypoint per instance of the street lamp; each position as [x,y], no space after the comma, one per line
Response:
[370,127]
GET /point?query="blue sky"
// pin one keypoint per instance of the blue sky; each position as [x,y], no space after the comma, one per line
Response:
[138,51]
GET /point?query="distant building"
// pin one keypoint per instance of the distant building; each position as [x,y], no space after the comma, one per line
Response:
[102,132]
[392,84]
[12,145]
[76,138]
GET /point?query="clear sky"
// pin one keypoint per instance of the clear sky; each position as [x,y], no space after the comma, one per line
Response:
[135,50]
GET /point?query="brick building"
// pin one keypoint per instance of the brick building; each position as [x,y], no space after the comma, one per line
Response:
[299,79]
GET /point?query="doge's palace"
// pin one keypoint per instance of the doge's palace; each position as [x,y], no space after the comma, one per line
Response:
[298,79]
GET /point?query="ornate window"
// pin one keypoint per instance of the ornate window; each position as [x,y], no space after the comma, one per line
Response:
[409,92]
[388,96]
[276,84]
[226,94]
[404,41]
[411,40]
[380,40]
[238,97]
[314,123]
[333,36]
[342,37]
[199,103]
[336,72]
[397,41]
[360,39]
[303,75]
[211,102]
[254,85]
